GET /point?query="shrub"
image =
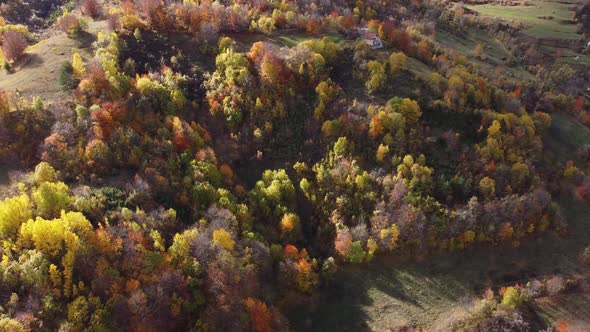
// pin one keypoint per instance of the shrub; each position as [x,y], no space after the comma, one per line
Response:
[13,45]
[72,25]
[66,76]
[91,8]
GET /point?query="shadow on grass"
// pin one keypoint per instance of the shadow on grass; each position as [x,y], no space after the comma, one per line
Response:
[30,61]
[384,295]
[85,39]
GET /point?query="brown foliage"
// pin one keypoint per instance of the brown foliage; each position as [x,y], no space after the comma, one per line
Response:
[343,242]
[14,45]
[68,23]
[103,123]
[260,315]
[113,22]
[91,8]
[313,26]
[93,86]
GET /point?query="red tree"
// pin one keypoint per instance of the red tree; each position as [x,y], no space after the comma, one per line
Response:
[260,316]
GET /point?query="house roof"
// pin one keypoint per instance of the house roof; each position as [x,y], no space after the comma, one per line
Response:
[367,34]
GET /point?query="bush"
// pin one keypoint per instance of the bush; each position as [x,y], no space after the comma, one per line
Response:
[13,45]
[71,25]
[91,8]
[66,77]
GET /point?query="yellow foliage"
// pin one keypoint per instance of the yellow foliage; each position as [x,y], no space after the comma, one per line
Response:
[390,236]
[222,238]
[54,275]
[494,128]
[13,212]
[469,236]
[487,187]
[306,279]
[79,69]
[52,236]
[410,110]
[382,152]
[289,223]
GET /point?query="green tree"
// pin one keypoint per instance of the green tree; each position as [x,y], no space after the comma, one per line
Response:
[44,173]
[78,313]
[51,198]
[357,254]
[511,298]
[341,147]
[67,80]
[274,195]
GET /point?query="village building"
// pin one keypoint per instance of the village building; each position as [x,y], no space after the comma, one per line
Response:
[370,38]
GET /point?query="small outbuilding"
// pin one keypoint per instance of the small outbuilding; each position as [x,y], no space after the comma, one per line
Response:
[370,38]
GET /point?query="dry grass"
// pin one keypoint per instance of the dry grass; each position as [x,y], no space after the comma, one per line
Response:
[37,73]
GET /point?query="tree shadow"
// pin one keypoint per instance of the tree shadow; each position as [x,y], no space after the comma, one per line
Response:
[383,294]
[360,295]
[85,39]
[27,60]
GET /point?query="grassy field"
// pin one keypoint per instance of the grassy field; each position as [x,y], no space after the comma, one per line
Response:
[294,39]
[566,307]
[381,296]
[388,294]
[244,41]
[536,17]
[565,136]
[549,19]
[38,73]
[494,52]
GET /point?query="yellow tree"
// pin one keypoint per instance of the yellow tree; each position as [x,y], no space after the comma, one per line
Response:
[397,62]
[51,237]
[410,110]
[79,69]
[13,212]
[222,238]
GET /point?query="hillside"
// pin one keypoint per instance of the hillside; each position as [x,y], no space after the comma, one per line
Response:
[307,166]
